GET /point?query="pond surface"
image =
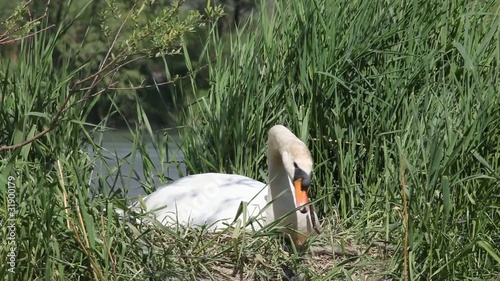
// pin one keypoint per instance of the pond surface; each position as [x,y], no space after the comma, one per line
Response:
[121,168]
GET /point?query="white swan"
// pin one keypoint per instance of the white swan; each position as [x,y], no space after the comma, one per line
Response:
[214,199]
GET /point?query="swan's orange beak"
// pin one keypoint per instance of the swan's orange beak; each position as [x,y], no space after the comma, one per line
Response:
[300,195]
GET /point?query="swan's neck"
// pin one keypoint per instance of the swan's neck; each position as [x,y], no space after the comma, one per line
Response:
[280,189]
[283,145]
[279,182]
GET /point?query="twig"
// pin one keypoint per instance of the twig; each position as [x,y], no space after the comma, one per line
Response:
[103,66]
[3,42]
[312,214]
[4,37]
[65,199]
[71,225]
[110,72]
[42,133]
[82,225]
[177,78]
[328,250]
[92,261]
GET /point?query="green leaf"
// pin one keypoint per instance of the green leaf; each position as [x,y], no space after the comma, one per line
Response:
[491,251]
[445,185]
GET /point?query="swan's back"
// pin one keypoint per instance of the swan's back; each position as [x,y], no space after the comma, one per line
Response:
[210,198]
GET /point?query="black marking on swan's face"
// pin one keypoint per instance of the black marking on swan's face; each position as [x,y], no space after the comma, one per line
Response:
[298,163]
[304,179]
[301,174]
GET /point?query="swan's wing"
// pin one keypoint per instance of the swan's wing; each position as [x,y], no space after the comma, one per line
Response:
[206,199]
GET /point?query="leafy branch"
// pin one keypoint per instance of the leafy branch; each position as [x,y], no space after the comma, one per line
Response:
[16,28]
[155,38]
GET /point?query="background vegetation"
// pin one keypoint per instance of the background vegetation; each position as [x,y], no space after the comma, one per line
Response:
[398,102]
[92,25]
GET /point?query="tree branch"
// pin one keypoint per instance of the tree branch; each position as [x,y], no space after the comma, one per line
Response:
[5,38]
[106,68]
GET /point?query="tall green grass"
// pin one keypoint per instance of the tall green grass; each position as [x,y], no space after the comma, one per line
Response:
[61,216]
[390,96]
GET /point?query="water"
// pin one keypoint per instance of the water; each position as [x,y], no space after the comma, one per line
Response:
[117,148]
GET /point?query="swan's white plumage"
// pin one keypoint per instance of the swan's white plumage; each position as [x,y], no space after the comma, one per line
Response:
[211,199]
[214,199]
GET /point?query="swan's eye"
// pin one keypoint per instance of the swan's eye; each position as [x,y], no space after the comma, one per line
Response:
[300,174]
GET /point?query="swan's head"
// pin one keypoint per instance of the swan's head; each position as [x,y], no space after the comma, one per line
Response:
[298,165]
[297,161]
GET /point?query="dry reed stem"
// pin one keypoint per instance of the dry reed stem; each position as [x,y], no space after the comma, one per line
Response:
[71,225]
[65,198]
[405,208]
